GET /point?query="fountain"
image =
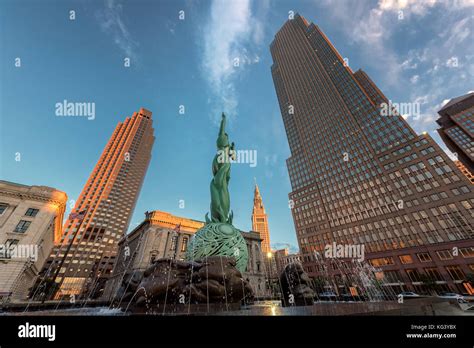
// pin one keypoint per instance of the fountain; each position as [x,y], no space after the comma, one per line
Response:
[217,256]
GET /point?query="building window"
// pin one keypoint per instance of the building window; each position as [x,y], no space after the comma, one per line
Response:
[414,275]
[444,255]
[184,244]
[467,252]
[434,274]
[174,241]
[392,276]
[31,212]
[424,257]
[405,259]
[384,261]
[22,226]
[455,272]
[3,207]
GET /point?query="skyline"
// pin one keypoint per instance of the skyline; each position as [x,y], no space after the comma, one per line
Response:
[211,86]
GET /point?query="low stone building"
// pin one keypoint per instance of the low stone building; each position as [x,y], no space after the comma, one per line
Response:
[163,235]
[30,223]
[278,256]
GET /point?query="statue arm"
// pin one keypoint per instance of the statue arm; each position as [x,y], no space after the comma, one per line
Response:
[222,127]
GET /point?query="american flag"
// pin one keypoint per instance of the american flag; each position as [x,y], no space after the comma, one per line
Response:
[78,216]
[177,228]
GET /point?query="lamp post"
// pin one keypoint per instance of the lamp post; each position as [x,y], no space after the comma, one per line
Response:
[270,273]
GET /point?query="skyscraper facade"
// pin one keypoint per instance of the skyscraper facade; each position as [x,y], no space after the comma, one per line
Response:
[102,212]
[260,220]
[457,128]
[360,177]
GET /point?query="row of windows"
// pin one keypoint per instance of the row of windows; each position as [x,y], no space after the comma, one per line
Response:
[423,257]
[23,225]
[32,212]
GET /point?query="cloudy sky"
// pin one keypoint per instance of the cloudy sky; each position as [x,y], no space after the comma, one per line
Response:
[208,56]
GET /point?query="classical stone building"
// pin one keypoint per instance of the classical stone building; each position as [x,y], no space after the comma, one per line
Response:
[291,258]
[282,258]
[163,235]
[30,222]
[279,256]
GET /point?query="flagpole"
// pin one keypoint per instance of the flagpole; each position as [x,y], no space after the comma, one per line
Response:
[67,251]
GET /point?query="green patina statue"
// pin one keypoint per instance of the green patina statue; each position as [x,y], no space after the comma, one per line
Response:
[219,236]
[220,200]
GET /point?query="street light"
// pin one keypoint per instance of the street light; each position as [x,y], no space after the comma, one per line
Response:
[270,273]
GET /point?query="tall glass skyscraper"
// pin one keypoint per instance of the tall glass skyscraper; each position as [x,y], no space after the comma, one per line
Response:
[102,213]
[361,177]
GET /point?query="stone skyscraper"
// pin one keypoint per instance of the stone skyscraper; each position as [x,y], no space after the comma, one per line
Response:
[361,178]
[108,200]
[260,220]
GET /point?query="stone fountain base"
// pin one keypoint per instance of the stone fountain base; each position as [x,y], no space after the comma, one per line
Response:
[296,286]
[210,284]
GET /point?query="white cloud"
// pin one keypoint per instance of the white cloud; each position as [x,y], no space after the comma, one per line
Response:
[455,34]
[228,47]
[408,64]
[372,25]
[419,7]
[414,79]
[452,62]
[293,249]
[444,102]
[111,22]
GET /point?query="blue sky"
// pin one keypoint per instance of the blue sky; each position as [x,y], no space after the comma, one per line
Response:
[416,51]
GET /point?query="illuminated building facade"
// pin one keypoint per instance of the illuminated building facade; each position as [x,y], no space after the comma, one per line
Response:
[469,175]
[108,200]
[260,220]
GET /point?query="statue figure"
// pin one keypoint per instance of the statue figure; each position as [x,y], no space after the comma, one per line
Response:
[220,200]
[218,237]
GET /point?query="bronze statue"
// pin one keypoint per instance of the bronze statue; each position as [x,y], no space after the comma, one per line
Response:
[220,200]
